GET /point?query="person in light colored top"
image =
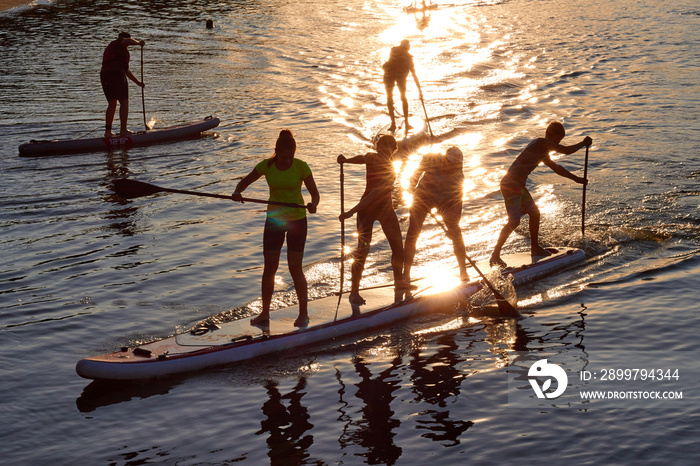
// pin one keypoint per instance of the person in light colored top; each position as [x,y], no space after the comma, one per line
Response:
[284,174]
[516,196]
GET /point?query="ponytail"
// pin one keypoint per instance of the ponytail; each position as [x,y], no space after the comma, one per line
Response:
[285,143]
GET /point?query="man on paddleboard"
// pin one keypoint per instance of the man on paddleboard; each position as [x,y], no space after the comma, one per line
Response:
[396,71]
[437,183]
[516,196]
[376,205]
[115,70]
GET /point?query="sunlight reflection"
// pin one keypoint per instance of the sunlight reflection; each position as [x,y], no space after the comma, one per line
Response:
[451,325]
[439,277]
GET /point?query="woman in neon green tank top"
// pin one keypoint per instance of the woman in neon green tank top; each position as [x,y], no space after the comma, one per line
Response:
[284,175]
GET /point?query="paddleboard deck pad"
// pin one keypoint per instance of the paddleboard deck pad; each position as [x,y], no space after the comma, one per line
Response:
[144,138]
[238,340]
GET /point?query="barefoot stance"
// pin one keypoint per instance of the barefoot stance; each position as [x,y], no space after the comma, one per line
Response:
[302,321]
[540,252]
[260,320]
[497,262]
[356,299]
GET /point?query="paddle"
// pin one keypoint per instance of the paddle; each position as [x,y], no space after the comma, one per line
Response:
[427,120]
[143,94]
[342,240]
[131,189]
[583,201]
[505,307]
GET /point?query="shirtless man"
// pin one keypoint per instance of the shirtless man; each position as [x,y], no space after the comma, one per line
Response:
[516,196]
[376,205]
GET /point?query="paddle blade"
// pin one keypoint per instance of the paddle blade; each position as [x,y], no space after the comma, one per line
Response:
[505,307]
[131,189]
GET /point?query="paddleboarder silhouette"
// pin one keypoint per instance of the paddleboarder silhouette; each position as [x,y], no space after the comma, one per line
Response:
[396,71]
[516,196]
[113,74]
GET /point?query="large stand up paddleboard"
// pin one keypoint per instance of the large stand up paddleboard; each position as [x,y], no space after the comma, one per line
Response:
[214,345]
[144,138]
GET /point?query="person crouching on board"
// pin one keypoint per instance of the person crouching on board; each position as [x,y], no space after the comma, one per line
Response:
[285,175]
[376,205]
[437,183]
[516,196]
[115,70]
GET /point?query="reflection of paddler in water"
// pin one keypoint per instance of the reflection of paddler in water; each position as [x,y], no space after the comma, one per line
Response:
[396,71]
[516,196]
[376,430]
[286,426]
[376,205]
[285,175]
[437,183]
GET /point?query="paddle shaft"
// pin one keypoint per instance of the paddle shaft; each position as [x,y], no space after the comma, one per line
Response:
[427,120]
[583,200]
[244,199]
[143,94]
[342,240]
[503,304]
[132,189]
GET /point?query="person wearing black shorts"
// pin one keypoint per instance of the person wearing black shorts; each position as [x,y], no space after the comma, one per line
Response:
[285,174]
[115,70]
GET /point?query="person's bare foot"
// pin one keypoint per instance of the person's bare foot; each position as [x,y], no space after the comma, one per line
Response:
[497,262]
[261,319]
[405,285]
[125,132]
[302,321]
[109,135]
[392,128]
[540,252]
[356,299]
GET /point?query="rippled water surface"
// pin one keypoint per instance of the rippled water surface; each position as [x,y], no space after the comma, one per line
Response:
[84,272]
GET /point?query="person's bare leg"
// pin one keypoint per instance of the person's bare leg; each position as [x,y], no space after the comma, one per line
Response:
[109,117]
[364,238]
[294,260]
[455,234]
[496,260]
[272,259]
[535,249]
[123,117]
[415,224]
[390,105]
